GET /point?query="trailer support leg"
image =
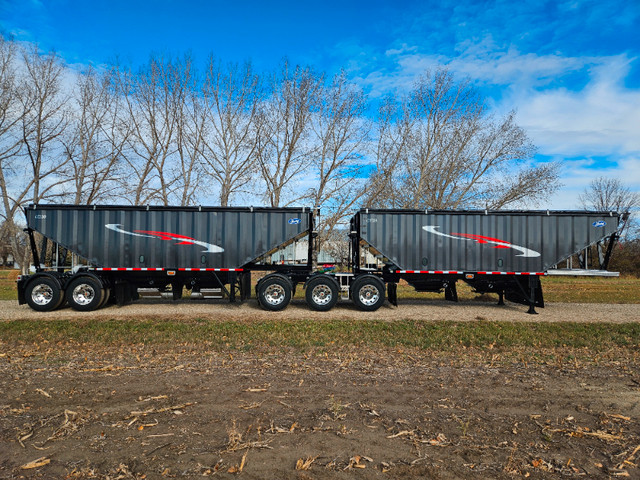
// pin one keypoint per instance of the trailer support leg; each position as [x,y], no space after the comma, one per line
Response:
[224,289]
[233,278]
[501,297]
[176,290]
[451,293]
[532,296]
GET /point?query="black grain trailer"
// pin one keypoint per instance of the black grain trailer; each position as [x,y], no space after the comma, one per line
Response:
[127,248]
[504,252]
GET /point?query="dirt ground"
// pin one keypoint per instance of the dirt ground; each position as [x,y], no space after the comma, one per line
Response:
[148,412]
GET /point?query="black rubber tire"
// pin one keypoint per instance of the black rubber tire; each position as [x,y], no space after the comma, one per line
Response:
[105,297]
[367,293]
[321,293]
[44,294]
[87,288]
[274,292]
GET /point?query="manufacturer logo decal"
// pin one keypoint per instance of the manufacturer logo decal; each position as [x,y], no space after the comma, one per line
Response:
[599,223]
[525,252]
[181,239]
[294,221]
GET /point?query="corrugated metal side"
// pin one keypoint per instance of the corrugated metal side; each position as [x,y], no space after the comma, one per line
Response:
[479,241]
[137,237]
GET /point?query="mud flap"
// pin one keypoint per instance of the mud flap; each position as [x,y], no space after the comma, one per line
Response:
[245,285]
[122,292]
[392,293]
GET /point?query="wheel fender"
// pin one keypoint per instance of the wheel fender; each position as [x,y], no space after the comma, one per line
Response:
[271,275]
[374,278]
[56,278]
[98,279]
[324,276]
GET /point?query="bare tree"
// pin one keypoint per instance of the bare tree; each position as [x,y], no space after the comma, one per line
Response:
[94,141]
[393,128]
[32,119]
[231,94]
[10,144]
[44,120]
[610,194]
[284,150]
[341,135]
[154,99]
[441,149]
[191,127]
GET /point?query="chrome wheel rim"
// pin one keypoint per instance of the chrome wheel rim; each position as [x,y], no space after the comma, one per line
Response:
[83,294]
[321,295]
[274,294]
[42,294]
[369,295]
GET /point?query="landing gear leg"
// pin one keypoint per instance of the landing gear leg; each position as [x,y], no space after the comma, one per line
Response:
[532,296]
[451,293]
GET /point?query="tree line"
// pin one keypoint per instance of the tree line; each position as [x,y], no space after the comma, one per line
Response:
[173,132]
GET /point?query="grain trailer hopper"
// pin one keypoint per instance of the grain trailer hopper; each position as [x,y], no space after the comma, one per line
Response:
[126,248]
[504,252]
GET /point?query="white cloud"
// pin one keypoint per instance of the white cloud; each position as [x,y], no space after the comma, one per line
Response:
[571,107]
[483,62]
[601,119]
[578,174]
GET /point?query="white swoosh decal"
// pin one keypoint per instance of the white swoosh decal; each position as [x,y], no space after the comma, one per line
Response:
[525,252]
[181,239]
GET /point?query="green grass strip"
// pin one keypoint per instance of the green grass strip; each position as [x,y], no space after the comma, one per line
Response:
[304,334]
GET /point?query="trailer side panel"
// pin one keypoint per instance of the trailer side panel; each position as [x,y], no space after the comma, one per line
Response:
[479,241]
[162,237]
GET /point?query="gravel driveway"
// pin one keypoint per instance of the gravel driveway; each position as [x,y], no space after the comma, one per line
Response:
[408,309]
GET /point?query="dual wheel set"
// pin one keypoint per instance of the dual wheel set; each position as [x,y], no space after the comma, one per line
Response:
[322,292]
[85,292]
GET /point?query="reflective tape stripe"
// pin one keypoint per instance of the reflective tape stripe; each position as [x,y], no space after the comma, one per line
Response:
[141,269]
[510,273]
[432,272]
[126,269]
[456,272]
[210,269]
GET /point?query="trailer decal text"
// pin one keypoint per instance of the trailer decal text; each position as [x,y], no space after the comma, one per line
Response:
[497,243]
[182,239]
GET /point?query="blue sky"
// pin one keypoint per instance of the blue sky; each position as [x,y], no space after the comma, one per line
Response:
[571,69]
